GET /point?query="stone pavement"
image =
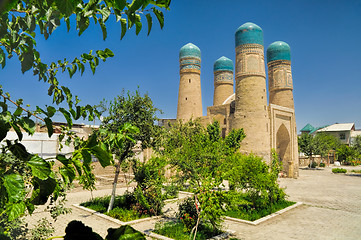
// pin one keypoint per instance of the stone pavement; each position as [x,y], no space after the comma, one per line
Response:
[331,210]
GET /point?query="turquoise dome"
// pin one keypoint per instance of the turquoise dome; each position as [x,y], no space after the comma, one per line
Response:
[190,50]
[222,64]
[278,51]
[249,33]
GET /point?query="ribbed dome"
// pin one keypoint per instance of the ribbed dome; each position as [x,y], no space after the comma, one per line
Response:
[278,51]
[190,50]
[249,33]
[222,64]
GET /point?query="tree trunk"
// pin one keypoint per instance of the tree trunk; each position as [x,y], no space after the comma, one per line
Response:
[112,198]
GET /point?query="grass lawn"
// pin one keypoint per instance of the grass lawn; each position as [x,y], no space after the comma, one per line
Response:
[176,231]
[122,209]
[252,214]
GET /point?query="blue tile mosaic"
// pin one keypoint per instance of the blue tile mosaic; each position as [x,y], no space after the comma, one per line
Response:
[190,50]
[278,51]
[249,33]
[223,63]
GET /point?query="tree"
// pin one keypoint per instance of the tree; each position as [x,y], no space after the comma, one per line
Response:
[356,145]
[140,112]
[306,145]
[20,22]
[197,155]
[324,142]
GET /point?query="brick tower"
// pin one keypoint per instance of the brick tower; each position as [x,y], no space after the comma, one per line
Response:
[280,85]
[251,112]
[189,95]
[223,80]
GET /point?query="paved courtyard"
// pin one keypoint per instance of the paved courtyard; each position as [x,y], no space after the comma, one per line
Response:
[331,210]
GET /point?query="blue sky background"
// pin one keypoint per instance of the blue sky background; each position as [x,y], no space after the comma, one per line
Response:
[325,40]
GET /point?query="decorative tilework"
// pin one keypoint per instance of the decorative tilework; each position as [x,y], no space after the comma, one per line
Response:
[223,77]
[190,63]
[250,60]
[249,33]
[190,50]
[223,63]
[280,76]
[278,51]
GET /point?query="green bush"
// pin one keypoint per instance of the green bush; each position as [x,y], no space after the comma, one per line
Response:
[322,164]
[123,214]
[312,165]
[171,191]
[339,170]
[188,213]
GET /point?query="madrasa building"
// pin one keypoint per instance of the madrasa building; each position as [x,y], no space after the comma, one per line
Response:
[267,127]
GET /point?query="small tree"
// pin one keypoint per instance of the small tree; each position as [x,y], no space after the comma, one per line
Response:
[324,143]
[197,154]
[307,146]
[139,111]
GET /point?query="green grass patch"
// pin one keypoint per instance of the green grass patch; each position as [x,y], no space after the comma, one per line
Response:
[249,213]
[339,170]
[176,230]
[123,208]
[356,171]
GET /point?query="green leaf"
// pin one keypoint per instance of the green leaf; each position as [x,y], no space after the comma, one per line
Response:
[92,141]
[83,24]
[66,7]
[119,4]
[123,233]
[135,5]
[42,190]
[14,185]
[39,167]
[86,156]
[160,17]
[28,125]
[18,111]
[6,6]
[138,24]
[5,116]
[123,24]
[67,116]
[104,29]
[49,126]
[61,158]
[150,22]
[51,111]
[18,150]
[67,173]
[17,130]
[2,58]
[27,60]
[104,157]
[15,210]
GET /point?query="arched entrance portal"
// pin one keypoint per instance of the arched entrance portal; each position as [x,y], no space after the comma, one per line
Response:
[283,147]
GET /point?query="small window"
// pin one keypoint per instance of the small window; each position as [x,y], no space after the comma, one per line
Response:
[189,81]
[186,99]
[223,132]
[342,136]
[225,121]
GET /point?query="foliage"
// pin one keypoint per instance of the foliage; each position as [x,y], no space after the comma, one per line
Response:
[20,23]
[171,191]
[187,213]
[339,170]
[134,109]
[150,178]
[250,213]
[356,145]
[312,165]
[255,179]
[42,230]
[125,215]
[322,164]
[306,144]
[175,230]
[324,143]
[16,229]
[344,153]
[197,155]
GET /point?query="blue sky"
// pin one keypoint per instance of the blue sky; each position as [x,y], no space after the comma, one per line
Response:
[324,37]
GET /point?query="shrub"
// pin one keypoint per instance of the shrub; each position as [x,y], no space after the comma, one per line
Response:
[123,214]
[171,191]
[339,170]
[312,165]
[322,164]
[188,213]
